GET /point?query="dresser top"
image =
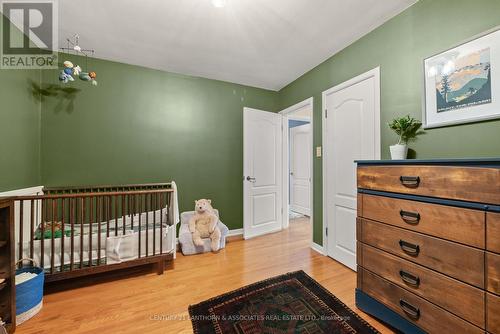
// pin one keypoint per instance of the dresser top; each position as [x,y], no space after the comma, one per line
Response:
[484,162]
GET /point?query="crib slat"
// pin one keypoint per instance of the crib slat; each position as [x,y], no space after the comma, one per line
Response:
[108,214]
[42,241]
[52,232]
[91,221]
[147,221]
[123,213]
[129,209]
[169,208]
[72,208]
[21,224]
[161,223]
[44,211]
[116,214]
[140,214]
[154,222]
[132,212]
[133,205]
[63,218]
[99,219]
[82,220]
[32,228]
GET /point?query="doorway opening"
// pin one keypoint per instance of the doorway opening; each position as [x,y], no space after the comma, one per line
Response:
[298,164]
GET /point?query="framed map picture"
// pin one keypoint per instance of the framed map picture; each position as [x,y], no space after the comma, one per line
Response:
[462,85]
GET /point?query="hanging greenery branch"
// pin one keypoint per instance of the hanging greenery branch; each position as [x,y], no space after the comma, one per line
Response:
[65,95]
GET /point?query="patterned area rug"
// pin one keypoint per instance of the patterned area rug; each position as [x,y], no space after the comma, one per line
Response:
[291,303]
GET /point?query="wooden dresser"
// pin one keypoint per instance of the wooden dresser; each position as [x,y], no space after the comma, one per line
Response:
[428,244]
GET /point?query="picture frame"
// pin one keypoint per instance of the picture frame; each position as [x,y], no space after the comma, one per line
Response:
[462,83]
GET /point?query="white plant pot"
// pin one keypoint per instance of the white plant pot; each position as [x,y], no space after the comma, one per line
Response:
[399,152]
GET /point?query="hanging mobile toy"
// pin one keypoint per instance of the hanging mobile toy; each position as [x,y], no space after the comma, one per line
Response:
[66,75]
[65,78]
[92,76]
[84,76]
[77,70]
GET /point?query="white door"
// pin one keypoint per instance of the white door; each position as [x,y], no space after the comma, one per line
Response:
[262,170]
[300,169]
[352,127]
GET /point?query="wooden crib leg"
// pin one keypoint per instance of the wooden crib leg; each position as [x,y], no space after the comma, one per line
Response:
[161,266]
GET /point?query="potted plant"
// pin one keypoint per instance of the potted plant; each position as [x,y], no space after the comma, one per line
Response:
[407,128]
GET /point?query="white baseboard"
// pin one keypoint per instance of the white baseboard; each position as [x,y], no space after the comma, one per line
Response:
[235,232]
[23,192]
[318,248]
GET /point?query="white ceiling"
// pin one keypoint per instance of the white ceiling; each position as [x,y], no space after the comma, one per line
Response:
[261,43]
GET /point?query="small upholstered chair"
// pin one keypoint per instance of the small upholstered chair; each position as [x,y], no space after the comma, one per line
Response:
[186,239]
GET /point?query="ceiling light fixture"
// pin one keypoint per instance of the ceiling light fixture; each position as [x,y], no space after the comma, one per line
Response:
[219,3]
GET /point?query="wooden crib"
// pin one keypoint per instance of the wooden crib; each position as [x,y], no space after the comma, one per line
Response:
[77,231]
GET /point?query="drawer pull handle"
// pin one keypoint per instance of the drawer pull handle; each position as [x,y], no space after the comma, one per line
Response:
[409,248]
[412,311]
[410,181]
[410,217]
[409,278]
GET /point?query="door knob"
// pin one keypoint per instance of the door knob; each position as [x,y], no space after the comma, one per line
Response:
[251,179]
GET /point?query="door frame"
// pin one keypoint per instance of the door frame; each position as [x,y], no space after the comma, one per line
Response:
[374,73]
[286,161]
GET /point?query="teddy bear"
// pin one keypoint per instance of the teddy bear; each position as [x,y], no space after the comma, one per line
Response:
[204,224]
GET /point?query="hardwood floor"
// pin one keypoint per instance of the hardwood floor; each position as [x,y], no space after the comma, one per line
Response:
[141,301]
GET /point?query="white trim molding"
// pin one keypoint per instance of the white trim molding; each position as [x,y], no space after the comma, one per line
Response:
[37,190]
[300,118]
[235,232]
[318,248]
[288,114]
[306,103]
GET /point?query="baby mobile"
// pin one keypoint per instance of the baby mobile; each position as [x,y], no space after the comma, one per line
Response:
[66,74]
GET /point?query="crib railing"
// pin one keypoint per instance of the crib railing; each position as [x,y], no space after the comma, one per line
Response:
[75,231]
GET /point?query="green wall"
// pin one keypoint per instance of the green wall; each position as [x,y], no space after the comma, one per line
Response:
[141,125]
[399,47]
[19,128]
